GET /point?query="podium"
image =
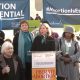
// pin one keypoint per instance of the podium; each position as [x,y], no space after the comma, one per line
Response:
[43,65]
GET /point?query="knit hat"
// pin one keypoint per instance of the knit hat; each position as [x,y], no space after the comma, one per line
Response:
[69,29]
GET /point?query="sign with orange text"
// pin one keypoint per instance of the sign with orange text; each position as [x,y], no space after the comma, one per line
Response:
[43,65]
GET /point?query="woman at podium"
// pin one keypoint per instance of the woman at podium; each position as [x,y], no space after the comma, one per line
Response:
[43,41]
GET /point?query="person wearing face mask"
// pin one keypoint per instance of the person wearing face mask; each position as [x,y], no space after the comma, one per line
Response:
[10,65]
[22,42]
[67,59]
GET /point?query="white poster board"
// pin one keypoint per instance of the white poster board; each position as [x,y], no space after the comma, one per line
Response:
[44,65]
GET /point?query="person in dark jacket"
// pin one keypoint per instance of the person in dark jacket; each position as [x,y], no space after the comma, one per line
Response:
[44,41]
[38,17]
[11,67]
[2,36]
[22,42]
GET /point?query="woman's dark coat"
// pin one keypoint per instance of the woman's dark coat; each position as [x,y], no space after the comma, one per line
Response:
[47,45]
[15,43]
[18,68]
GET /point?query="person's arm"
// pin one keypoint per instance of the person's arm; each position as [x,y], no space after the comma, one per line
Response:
[76,56]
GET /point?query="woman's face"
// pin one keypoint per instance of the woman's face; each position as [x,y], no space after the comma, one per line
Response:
[68,35]
[8,51]
[24,27]
[43,30]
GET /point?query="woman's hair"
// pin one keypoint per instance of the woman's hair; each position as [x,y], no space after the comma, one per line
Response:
[24,21]
[5,45]
[47,27]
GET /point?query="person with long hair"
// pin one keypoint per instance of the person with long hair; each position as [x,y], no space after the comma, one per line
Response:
[43,41]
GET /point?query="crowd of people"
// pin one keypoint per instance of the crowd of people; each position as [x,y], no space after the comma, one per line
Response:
[15,61]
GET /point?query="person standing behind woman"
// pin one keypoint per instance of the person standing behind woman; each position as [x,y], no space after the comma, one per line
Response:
[44,41]
[38,17]
[11,67]
[22,44]
[67,59]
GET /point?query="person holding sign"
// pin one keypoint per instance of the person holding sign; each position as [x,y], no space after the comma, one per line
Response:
[67,58]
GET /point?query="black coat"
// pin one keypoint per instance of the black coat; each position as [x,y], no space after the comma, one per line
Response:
[2,36]
[47,45]
[15,43]
[18,69]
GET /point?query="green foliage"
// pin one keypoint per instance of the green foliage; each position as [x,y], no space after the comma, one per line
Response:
[33,24]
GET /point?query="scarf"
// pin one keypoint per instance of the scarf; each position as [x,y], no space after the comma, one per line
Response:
[43,39]
[24,45]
